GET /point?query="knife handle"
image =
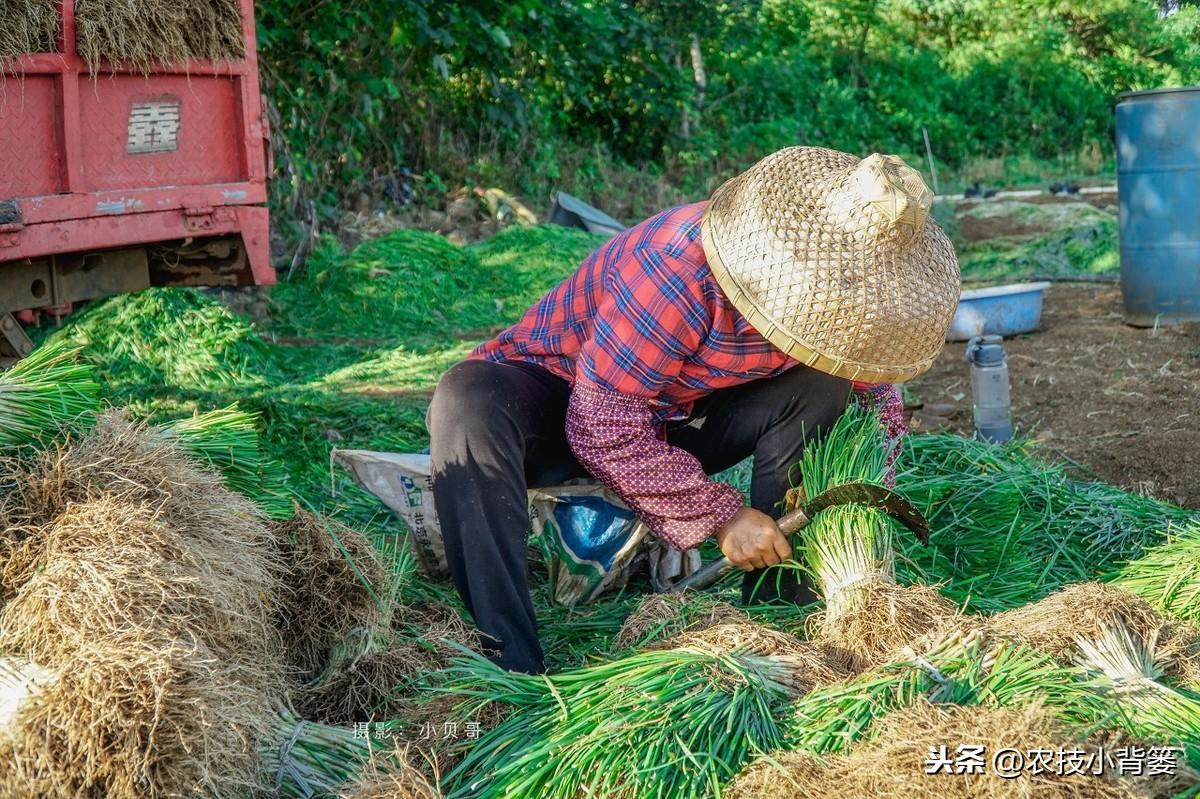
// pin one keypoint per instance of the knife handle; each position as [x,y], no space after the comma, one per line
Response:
[789,523]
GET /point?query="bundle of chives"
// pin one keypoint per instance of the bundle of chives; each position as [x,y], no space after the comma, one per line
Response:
[844,546]
[47,391]
[663,616]
[960,669]
[1124,677]
[833,717]
[973,496]
[850,550]
[306,759]
[1168,576]
[228,440]
[676,722]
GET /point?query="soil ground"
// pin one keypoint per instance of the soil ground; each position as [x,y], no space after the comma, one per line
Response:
[1121,403]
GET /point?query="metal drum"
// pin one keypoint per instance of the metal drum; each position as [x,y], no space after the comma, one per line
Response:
[1158,179]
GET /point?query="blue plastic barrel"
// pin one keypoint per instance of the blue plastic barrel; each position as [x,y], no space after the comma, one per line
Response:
[1158,180]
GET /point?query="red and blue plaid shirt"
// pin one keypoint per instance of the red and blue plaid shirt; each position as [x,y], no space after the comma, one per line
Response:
[642,330]
[643,316]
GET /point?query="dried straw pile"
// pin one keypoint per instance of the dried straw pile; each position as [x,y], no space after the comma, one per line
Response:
[27,26]
[891,765]
[352,645]
[140,581]
[141,33]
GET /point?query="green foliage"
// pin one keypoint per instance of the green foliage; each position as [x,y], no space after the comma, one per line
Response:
[169,337]
[419,289]
[665,723]
[227,440]
[529,91]
[834,717]
[1168,576]
[1008,528]
[50,389]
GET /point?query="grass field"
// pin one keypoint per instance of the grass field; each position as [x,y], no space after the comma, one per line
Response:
[350,356]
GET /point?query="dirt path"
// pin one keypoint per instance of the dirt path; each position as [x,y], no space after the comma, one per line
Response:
[1122,402]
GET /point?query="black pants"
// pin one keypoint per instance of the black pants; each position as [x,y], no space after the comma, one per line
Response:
[498,428]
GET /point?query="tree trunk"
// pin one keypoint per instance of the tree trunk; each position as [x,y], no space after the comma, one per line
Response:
[698,73]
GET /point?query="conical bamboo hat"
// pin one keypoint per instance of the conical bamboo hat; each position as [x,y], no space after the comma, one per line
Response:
[835,261]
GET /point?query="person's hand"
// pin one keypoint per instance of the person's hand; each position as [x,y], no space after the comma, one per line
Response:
[751,540]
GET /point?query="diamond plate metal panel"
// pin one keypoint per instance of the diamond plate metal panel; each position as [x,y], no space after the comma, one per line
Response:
[193,121]
[30,159]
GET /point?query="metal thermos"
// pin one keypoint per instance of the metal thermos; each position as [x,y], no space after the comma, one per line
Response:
[989,388]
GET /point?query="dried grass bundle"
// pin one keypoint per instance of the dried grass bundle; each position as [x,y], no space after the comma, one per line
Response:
[337,584]
[1055,625]
[20,681]
[891,764]
[145,718]
[661,616]
[371,675]
[142,582]
[110,565]
[142,33]
[27,26]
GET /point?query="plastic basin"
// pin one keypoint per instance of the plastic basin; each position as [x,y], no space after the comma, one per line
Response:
[999,310]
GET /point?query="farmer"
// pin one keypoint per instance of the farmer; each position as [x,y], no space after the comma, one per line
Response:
[706,334]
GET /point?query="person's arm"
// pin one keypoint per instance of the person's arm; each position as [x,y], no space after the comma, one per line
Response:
[650,321]
[613,436]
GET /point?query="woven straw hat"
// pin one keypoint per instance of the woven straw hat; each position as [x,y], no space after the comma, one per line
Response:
[834,260]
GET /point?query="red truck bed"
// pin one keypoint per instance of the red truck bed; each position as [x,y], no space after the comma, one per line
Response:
[126,180]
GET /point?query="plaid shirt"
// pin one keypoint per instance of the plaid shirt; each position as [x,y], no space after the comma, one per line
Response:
[642,330]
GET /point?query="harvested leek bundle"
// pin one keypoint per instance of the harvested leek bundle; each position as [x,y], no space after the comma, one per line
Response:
[305,759]
[675,723]
[1168,576]
[342,585]
[850,551]
[660,616]
[961,669]
[48,390]
[227,439]
[888,765]
[1124,674]
[1056,624]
